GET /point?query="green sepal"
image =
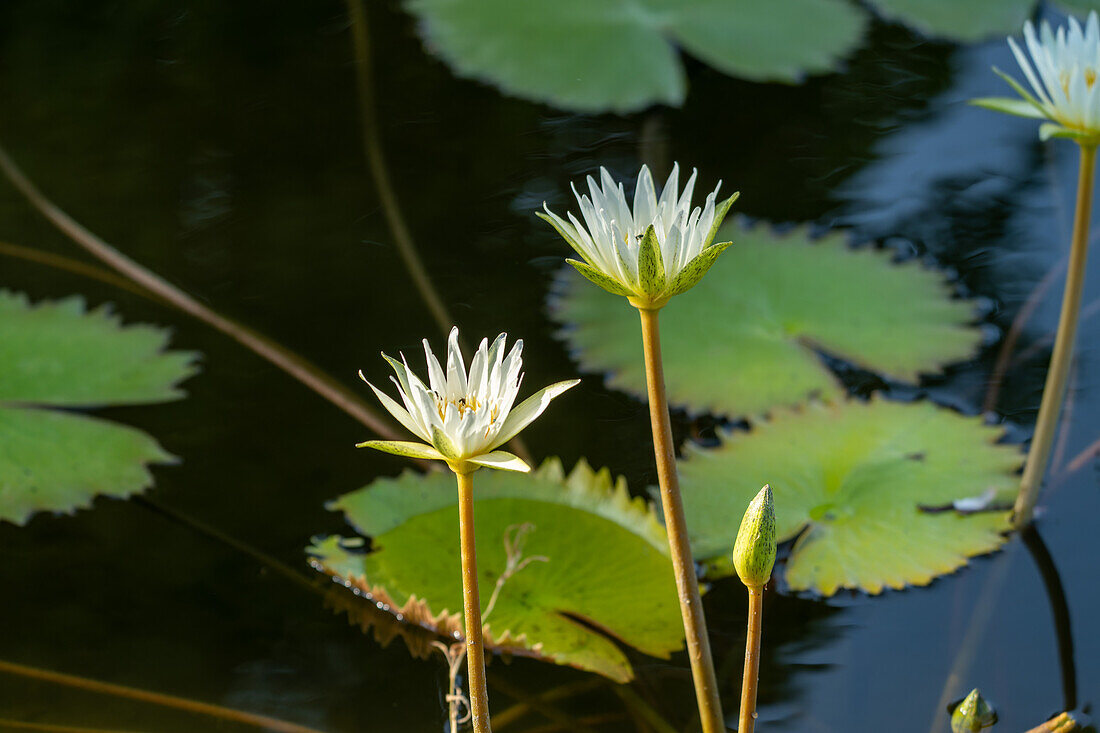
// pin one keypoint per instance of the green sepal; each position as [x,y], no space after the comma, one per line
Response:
[407,449]
[564,235]
[1047,130]
[1017,107]
[1019,89]
[443,444]
[720,212]
[694,271]
[606,282]
[651,265]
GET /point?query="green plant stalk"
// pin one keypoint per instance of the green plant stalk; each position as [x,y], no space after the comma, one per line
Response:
[1055,389]
[471,603]
[749,680]
[683,565]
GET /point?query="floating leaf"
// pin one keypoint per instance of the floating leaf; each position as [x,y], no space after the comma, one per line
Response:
[607,562]
[618,56]
[867,488]
[960,20]
[744,340]
[55,354]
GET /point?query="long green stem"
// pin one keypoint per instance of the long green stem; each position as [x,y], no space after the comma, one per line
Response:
[471,602]
[1061,359]
[749,680]
[691,606]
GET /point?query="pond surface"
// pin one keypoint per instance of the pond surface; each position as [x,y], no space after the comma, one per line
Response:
[219,144]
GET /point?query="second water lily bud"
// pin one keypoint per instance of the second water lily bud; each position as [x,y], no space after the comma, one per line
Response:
[973,714]
[754,550]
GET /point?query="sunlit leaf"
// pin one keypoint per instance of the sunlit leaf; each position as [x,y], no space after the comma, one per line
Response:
[620,56]
[867,488]
[961,20]
[52,355]
[55,461]
[56,353]
[746,338]
[606,562]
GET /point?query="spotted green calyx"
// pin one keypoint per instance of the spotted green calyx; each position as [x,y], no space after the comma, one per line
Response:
[754,550]
[973,714]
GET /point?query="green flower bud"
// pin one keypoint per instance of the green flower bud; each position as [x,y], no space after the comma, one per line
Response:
[972,714]
[754,551]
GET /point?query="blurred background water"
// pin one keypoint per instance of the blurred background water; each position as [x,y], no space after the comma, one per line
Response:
[220,145]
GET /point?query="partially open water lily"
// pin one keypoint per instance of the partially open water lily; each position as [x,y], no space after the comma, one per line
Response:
[1061,67]
[463,417]
[659,249]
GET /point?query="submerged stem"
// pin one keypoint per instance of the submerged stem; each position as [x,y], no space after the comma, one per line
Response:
[293,364]
[691,607]
[747,720]
[471,602]
[1062,358]
[156,698]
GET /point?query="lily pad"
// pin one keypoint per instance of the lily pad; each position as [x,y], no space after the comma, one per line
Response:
[960,20]
[623,56]
[868,489]
[57,355]
[606,571]
[747,338]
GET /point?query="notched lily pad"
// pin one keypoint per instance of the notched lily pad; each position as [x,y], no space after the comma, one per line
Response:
[746,338]
[57,355]
[960,20]
[615,56]
[603,563]
[862,486]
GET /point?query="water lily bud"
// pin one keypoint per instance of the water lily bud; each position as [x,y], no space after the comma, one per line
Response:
[972,714]
[754,551]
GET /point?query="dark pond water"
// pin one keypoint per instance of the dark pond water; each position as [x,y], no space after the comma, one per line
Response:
[219,144]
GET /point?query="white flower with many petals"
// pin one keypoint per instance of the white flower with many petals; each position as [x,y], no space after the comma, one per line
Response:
[1061,67]
[463,417]
[659,249]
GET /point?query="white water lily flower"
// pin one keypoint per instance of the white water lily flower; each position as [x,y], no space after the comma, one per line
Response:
[463,417]
[659,249]
[1062,71]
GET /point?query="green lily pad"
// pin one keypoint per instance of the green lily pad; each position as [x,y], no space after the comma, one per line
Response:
[606,563]
[867,489]
[960,20]
[57,355]
[746,338]
[622,56]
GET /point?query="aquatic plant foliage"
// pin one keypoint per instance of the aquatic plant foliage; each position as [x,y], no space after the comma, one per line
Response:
[56,356]
[603,571]
[869,489]
[620,56]
[747,338]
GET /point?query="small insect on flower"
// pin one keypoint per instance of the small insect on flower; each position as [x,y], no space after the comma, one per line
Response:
[463,417]
[1061,67]
[660,249]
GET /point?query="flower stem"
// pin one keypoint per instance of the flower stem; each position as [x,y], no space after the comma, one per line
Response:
[1060,360]
[475,648]
[752,661]
[691,607]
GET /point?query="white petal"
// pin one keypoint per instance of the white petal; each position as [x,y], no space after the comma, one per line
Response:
[400,413]
[530,408]
[456,367]
[502,460]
